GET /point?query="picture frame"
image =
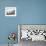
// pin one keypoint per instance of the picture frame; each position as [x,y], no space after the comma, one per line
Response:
[10,11]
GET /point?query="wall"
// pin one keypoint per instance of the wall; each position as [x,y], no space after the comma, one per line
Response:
[28,12]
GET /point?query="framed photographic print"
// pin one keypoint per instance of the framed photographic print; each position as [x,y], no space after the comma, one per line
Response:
[10,11]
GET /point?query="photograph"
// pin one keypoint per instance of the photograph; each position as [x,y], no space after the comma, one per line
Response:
[22,22]
[10,11]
